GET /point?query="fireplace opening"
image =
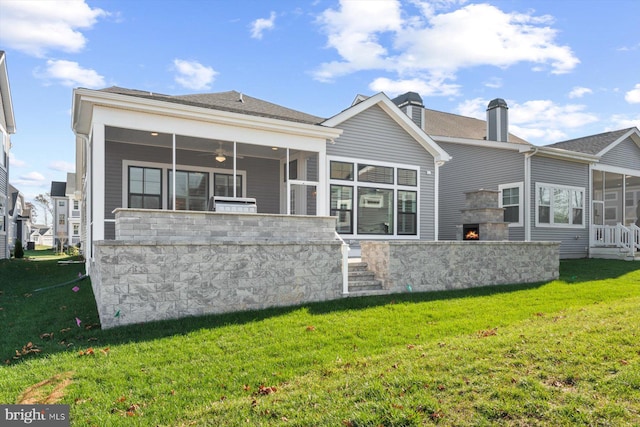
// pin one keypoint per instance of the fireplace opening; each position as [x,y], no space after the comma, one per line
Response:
[471,232]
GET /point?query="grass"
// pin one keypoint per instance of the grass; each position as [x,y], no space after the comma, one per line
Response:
[565,352]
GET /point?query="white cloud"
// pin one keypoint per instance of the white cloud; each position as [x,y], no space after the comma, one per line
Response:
[437,44]
[69,73]
[633,96]
[62,166]
[36,27]
[193,75]
[579,92]
[30,179]
[494,83]
[422,86]
[623,121]
[538,121]
[15,162]
[260,25]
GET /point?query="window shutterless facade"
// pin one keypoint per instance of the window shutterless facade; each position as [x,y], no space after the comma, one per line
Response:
[223,185]
[145,187]
[559,206]
[379,200]
[511,196]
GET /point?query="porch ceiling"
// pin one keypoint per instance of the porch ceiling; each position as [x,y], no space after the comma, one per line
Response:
[165,140]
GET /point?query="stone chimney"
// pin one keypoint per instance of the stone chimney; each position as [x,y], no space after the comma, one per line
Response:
[498,121]
[411,104]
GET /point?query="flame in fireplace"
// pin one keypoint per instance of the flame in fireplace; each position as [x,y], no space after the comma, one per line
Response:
[472,235]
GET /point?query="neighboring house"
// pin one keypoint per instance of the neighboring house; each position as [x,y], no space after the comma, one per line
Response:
[60,208]
[7,127]
[546,191]
[42,235]
[66,212]
[19,225]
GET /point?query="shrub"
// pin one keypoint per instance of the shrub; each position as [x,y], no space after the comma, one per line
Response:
[18,252]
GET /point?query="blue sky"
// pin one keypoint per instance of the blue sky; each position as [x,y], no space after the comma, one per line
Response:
[566,68]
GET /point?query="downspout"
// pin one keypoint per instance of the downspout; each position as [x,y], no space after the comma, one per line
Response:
[527,193]
[436,203]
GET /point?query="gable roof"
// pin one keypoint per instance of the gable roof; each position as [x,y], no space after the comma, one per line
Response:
[231,101]
[398,116]
[597,144]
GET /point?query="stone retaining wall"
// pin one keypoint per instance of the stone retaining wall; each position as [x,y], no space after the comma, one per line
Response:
[434,266]
[191,226]
[137,282]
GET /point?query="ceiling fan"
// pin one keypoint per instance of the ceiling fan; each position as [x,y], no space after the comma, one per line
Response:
[222,154]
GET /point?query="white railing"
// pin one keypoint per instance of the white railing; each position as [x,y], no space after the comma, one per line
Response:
[345,265]
[620,236]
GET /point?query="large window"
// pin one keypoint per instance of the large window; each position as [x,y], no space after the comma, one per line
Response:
[145,187]
[192,190]
[223,185]
[559,206]
[511,200]
[378,200]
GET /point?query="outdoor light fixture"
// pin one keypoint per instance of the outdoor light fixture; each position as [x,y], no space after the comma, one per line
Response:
[221,158]
[154,133]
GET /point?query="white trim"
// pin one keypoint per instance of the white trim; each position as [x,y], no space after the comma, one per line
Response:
[165,168]
[619,140]
[355,184]
[616,169]
[86,100]
[551,224]
[513,146]
[99,170]
[520,187]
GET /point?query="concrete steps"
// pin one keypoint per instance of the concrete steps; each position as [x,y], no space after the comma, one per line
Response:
[362,281]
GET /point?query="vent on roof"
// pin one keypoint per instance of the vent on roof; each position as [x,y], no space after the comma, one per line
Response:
[240,99]
[498,121]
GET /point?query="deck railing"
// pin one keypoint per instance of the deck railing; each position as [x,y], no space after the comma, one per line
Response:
[627,238]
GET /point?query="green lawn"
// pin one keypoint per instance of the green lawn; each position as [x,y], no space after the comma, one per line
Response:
[550,354]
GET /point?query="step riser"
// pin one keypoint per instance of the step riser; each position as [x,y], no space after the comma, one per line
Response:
[361,279]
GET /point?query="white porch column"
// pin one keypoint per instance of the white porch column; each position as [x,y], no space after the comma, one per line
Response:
[322,190]
[97,164]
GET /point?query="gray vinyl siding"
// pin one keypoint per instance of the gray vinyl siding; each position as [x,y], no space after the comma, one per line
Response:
[373,135]
[262,175]
[574,241]
[624,155]
[472,168]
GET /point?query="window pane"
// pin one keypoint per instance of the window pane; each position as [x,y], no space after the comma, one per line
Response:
[342,170]
[342,207]
[544,196]
[510,196]
[560,206]
[377,174]
[375,211]
[577,216]
[543,214]
[152,181]
[407,212]
[407,177]
[512,214]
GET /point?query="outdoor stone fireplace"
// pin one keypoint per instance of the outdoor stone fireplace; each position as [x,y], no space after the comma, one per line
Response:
[482,217]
